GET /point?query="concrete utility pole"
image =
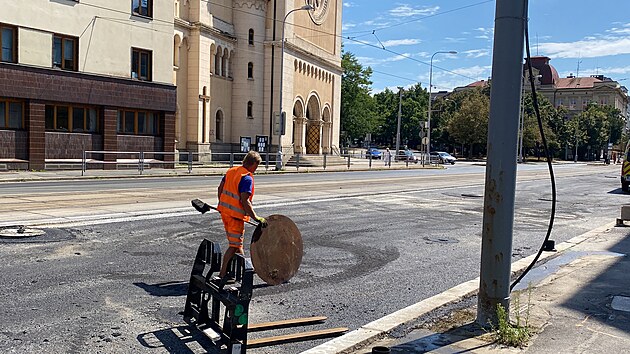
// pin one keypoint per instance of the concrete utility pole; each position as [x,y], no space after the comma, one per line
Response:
[498,211]
[398,125]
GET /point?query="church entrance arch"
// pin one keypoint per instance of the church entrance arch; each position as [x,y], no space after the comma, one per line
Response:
[313,126]
[298,126]
[326,131]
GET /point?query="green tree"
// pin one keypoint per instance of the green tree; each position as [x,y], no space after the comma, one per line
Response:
[469,124]
[597,126]
[357,105]
[554,127]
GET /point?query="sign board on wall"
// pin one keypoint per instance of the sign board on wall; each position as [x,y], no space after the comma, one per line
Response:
[262,143]
[246,143]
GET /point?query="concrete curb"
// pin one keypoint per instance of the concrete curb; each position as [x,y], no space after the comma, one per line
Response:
[379,328]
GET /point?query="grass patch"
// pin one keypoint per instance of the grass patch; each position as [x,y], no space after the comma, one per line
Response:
[517,333]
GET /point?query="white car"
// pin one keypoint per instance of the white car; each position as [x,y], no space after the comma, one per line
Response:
[443,157]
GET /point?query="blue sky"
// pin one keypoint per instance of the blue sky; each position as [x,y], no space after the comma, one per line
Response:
[594,34]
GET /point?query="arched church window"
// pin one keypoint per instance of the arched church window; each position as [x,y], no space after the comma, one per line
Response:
[251,36]
[217,62]
[250,70]
[250,108]
[219,126]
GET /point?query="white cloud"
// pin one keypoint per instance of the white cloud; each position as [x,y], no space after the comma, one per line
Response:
[587,48]
[624,30]
[476,53]
[453,40]
[399,42]
[486,33]
[474,71]
[347,26]
[348,4]
[369,61]
[408,11]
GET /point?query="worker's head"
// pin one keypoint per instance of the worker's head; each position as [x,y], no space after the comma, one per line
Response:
[251,161]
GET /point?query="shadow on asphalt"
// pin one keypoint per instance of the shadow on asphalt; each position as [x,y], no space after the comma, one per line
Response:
[171,288]
[617,191]
[176,340]
[432,341]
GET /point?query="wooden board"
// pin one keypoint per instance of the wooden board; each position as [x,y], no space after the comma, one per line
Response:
[285,323]
[296,337]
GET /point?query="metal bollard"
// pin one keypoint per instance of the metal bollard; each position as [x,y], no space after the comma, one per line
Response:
[325,161]
[190,162]
[231,159]
[370,162]
[348,160]
[297,162]
[83,164]
[141,162]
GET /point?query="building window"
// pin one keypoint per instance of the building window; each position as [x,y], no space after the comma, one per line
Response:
[142,7]
[65,52]
[217,62]
[11,114]
[251,36]
[141,64]
[250,108]
[75,119]
[138,122]
[8,43]
[250,70]
[219,126]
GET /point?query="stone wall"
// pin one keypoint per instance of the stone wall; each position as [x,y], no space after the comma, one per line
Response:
[71,145]
[13,144]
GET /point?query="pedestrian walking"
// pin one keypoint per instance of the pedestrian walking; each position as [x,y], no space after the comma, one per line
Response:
[387,157]
[235,193]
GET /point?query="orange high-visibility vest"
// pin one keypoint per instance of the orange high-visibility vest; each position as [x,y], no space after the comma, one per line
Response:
[230,199]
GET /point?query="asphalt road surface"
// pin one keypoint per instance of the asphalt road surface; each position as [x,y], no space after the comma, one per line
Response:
[114,281]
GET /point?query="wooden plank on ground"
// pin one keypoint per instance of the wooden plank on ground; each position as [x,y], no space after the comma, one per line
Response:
[296,337]
[286,323]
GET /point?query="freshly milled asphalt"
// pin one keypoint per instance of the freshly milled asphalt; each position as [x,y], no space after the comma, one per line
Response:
[120,287]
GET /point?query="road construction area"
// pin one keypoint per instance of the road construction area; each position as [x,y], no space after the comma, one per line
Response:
[109,272]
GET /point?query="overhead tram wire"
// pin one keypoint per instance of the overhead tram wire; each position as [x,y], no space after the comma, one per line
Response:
[343,36]
[435,14]
[370,32]
[410,58]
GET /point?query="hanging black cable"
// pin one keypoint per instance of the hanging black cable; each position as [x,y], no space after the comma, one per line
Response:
[547,154]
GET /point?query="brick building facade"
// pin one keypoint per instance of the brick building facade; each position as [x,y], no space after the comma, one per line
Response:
[76,76]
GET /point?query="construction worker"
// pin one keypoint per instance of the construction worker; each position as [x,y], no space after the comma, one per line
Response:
[235,204]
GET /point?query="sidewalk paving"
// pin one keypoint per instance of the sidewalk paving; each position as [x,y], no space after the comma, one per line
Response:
[208,170]
[577,300]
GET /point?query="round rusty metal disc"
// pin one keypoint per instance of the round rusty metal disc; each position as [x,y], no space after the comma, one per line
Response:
[277,250]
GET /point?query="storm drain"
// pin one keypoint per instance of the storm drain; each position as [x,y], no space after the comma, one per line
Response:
[20,232]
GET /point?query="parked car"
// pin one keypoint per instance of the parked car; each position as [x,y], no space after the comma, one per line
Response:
[374,153]
[407,155]
[443,157]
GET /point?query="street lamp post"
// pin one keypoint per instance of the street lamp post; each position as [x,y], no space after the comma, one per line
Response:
[284,22]
[429,113]
[398,123]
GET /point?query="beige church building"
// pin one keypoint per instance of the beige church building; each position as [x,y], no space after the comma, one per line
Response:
[229,63]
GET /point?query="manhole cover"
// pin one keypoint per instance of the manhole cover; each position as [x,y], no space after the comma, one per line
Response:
[440,239]
[621,303]
[20,232]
